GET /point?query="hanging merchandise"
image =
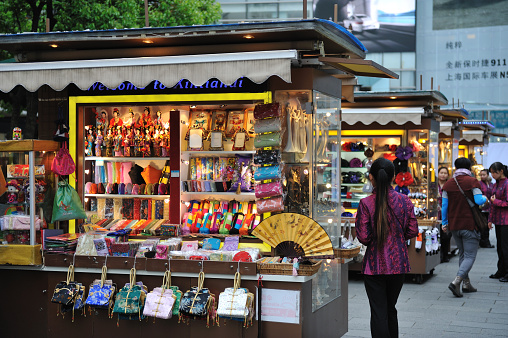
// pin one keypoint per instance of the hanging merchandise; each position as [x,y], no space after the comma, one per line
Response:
[130,300]
[101,292]
[62,127]
[67,204]
[159,302]
[198,303]
[242,178]
[236,303]
[404,153]
[63,164]
[404,179]
[69,294]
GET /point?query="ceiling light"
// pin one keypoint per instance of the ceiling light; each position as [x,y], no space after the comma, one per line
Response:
[53,45]
[147,41]
[393,97]
[248,36]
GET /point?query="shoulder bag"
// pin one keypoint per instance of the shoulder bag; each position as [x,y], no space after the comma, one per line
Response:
[480,221]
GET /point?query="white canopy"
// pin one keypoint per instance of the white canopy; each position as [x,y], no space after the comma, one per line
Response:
[226,67]
[382,116]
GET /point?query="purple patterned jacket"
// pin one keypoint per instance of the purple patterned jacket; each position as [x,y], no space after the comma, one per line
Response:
[487,192]
[499,208]
[392,258]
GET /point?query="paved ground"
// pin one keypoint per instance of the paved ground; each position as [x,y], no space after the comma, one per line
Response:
[431,310]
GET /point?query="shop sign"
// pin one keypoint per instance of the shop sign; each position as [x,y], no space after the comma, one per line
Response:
[183,86]
[281,306]
[21,170]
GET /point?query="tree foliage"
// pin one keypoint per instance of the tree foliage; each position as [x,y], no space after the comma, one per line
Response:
[67,15]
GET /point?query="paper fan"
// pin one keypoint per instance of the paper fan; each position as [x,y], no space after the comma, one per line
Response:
[294,235]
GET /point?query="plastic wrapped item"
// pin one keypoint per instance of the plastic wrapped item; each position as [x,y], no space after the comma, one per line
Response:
[268,140]
[268,125]
[269,189]
[268,110]
[274,204]
[268,173]
[242,177]
[267,157]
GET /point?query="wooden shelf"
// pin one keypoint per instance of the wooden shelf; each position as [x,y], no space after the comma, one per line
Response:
[125,196]
[222,195]
[29,145]
[218,153]
[124,159]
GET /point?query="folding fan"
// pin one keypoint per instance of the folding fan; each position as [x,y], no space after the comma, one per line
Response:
[294,235]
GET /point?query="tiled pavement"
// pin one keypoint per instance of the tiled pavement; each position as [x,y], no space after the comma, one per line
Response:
[431,310]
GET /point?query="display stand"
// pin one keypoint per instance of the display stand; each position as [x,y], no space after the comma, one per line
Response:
[18,156]
[383,122]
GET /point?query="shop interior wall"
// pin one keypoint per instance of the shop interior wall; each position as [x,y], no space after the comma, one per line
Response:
[49,103]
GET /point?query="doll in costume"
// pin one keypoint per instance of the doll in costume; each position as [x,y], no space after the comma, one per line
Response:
[116,121]
[145,120]
[147,143]
[128,141]
[98,143]
[158,120]
[12,192]
[89,142]
[102,120]
[164,142]
[108,142]
[117,143]
[138,143]
[156,142]
[130,121]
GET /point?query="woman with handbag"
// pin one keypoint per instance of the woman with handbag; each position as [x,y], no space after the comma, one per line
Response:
[499,217]
[384,222]
[458,216]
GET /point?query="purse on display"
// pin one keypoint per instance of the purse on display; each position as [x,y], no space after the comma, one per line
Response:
[236,303]
[268,140]
[130,300]
[66,291]
[101,292]
[268,110]
[159,303]
[198,302]
[63,164]
[267,125]
[267,173]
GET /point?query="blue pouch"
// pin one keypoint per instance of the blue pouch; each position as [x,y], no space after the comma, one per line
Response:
[267,173]
[211,244]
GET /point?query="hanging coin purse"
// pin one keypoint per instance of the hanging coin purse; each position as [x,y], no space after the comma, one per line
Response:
[66,291]
[197,302]
[101,292]
[236,303]
[159,303]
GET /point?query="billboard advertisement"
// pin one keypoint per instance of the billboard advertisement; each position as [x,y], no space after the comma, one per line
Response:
[462,46]
[381,25]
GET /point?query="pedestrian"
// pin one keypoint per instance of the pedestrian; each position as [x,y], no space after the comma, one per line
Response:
[486,185]
[458,218]
[442,177]
[499,217]
[384,222]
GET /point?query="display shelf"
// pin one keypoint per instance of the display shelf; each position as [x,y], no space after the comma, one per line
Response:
[353,168]
[126,196]
[29,145]
[222,195]
[124,159]
[353,184]
[199,153]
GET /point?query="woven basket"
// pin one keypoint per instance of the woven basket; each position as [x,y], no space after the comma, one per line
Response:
[347,253]
[287,269]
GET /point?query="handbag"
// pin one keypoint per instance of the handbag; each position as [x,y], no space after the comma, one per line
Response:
[159,303]
[198,303]
[130,300]
[67,204]
[236,303]
[479,221]
[63,164]
[66,291]
[101,292]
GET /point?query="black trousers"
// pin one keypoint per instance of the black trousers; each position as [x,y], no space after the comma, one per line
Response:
[502,249]
[484,239]
[383,292]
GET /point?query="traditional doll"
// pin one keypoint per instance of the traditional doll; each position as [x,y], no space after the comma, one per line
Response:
[145,120]
[102,121]
[156,143]
[12,192]
[117,143]
[98,143]
[128,142]
[26,190]
[116,120]
[147,143]
[108,142]
[158,120]
[138,142]
[130,121]
[89,142]
[164,143]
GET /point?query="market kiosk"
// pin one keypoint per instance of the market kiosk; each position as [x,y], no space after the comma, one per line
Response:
[200,86]
[450,135]
[400,126]
[475,137]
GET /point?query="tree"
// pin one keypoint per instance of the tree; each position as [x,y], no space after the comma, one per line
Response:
[18,16]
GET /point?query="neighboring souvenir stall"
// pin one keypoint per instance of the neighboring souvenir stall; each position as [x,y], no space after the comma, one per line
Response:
[475,136]
[402,127]
[180,160]
[450,132]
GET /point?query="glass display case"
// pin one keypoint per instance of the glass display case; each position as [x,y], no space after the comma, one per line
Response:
[423,168]
[26,167]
